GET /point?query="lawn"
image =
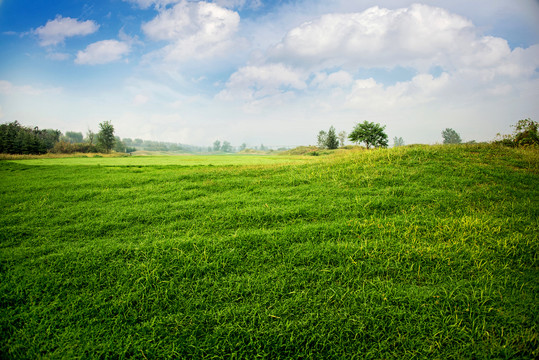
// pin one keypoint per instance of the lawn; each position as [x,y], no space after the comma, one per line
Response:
[412,252]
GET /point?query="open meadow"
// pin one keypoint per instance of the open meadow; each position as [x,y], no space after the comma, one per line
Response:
[411,252]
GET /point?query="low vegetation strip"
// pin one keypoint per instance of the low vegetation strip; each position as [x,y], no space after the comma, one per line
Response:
[412,252]
[178,160]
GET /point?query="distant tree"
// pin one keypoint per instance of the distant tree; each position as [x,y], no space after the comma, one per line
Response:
[226,147]
[105,136]
[331,139]
[216,145]
[74,137]
[321,139]
[342,137]
[119,146]
[263,148]
[90,137]
[139,142]
[451,136]
[243,146]
[370,133]
[398,141]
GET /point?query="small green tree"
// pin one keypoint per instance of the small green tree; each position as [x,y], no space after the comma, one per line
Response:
[331,139]
[451,136]
[216,145]
[398,141]
[342,137]
[105,136]
[322,139]
[119,145]
[226,147]
[90,137]
[370,133]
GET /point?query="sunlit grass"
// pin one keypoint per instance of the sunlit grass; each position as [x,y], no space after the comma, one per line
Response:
[179,160]
[414,252]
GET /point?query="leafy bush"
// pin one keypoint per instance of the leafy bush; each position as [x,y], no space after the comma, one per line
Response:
[63,147]
[526,134]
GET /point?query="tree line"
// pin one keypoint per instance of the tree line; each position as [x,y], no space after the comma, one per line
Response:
[18,139]
[373,135]
[23,140]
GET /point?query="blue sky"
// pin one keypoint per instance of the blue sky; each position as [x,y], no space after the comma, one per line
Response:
[271,72]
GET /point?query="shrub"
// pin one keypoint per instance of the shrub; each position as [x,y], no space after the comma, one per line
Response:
[64,147]
[526,134]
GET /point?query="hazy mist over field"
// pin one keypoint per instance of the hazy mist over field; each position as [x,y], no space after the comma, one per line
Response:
[271,72]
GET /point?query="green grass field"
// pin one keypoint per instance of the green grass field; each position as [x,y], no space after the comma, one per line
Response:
[406,253]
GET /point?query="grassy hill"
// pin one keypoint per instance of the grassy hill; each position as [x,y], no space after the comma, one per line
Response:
[412,252]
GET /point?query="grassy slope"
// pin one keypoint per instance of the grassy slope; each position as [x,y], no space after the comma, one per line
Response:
[425,251]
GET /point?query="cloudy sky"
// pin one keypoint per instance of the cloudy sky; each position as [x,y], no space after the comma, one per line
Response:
[270,71]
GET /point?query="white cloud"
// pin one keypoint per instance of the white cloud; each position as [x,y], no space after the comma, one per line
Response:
[376,37]
[327,54]
[57,30]
[255,82]
[420,36]
[195,30]
[339,78]
[367,93]
[102,52]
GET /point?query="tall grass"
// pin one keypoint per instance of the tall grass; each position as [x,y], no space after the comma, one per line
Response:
[412,252]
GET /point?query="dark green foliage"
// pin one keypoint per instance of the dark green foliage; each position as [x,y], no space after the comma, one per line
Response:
[105,137]
[406,253]
[369,133]
[332,142]
[327,140]
[18,139]
[526,132]
[451,136]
